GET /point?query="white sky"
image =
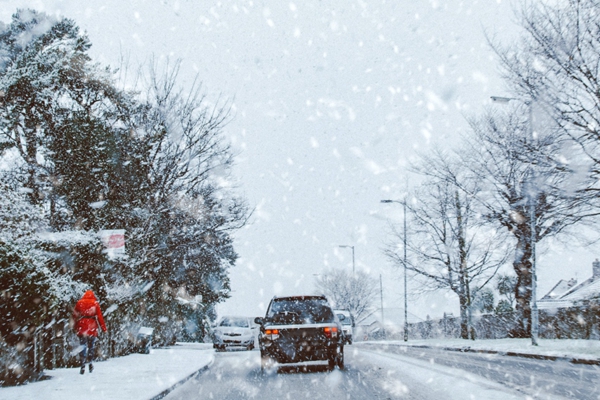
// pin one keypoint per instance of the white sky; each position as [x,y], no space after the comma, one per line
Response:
[331,100]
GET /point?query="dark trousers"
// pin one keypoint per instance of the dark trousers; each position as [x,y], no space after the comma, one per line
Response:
[87,348]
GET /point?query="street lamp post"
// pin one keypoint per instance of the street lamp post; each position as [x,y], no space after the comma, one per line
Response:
[381,298]
[532,222]
[351,247]
[403,202]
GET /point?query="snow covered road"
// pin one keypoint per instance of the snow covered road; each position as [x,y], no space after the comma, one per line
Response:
[368,375]
[374,370]
[537,377]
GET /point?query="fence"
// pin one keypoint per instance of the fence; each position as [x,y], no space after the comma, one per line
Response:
[582,322]
[25,355]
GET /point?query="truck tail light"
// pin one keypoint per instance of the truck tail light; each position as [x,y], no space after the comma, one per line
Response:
[272,333]
[330,331]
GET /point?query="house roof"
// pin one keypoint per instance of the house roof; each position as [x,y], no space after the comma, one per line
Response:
[586,290]
[560,289]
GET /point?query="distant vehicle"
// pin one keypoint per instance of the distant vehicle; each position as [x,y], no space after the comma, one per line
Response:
[233,332]
[143,340]
[298,329]
[347,324]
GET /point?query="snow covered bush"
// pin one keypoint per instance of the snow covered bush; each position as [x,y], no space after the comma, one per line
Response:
[24,303]
[12,361]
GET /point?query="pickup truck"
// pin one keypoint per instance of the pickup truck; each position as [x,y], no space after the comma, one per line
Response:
[298,329]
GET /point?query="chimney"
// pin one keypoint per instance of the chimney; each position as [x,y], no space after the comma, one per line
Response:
[596,269]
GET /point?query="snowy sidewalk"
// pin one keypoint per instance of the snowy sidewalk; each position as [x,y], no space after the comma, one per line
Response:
[578,351]
[133,377]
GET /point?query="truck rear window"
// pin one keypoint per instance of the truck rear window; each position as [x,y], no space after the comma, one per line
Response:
[299,311]
[235,322]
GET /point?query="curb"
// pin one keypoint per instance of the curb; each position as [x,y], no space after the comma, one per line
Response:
[182,381]
[502,353]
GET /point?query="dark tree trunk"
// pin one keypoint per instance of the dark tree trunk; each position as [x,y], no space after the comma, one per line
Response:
[464,278]
[31,146]
[523,288]
[464,321]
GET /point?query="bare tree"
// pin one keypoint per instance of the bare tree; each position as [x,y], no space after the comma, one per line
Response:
[188,148]
[523,178]
[183,234]
[450,246]
[353,292]
[556,63]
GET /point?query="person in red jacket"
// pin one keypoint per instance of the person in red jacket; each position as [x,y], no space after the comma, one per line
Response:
[88,318]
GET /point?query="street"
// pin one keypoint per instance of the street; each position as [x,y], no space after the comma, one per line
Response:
[538,378]
[368,375]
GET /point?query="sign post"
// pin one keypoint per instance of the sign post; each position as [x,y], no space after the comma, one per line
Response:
[114,242]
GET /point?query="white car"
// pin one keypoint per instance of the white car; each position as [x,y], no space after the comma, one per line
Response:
[347,322]
[233,332]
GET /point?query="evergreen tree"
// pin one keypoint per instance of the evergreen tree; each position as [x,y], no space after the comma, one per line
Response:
[41,66]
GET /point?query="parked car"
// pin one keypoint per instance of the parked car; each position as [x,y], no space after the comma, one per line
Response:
[143,340]
[233,332]
[298,329]
[347,321]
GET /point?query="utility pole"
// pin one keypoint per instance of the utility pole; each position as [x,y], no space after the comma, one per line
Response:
[381,295]
[403,202]
[532,228]
[405,290]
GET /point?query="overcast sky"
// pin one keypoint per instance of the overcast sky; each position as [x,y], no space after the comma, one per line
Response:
[331,100]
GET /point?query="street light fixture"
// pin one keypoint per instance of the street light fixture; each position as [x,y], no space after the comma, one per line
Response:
[351,247]
[502,100]
[403,202]
[532,223]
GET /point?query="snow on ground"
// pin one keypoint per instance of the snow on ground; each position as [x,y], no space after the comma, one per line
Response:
[450,383]
[141,376]
[136,376]
[569,348]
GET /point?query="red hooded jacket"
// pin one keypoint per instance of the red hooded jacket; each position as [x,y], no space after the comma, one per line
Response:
[87,315]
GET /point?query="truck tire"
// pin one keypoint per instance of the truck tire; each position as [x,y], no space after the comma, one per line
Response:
[266,362]
[336,358]
[340,358]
